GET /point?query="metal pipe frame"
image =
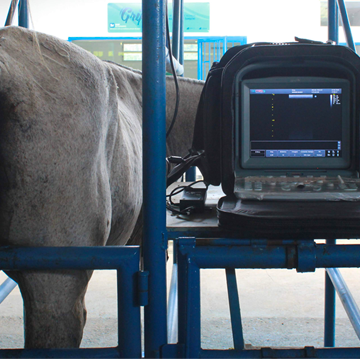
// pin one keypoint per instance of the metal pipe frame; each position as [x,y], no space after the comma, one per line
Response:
[172,318]
[124,259]
[304,256]
[330,308]
[176,29]
[234,304]
[10,15]
[154,173]
[346,25]
[333,21]
[346,298]
[6,288]
[23,13]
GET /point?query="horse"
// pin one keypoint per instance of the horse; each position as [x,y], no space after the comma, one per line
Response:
[71,165]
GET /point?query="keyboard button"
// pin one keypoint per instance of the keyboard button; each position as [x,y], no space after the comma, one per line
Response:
[285,186]
[343,186]
[248,186]
[352,187]
[258,186]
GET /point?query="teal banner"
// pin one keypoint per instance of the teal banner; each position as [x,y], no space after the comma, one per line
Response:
[127,17]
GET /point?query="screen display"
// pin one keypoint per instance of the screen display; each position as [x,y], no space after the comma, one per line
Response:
[294,123]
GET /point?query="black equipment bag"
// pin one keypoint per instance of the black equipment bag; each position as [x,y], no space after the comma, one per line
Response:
[213,141]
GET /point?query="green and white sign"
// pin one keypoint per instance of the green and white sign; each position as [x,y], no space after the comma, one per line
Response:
[127,17]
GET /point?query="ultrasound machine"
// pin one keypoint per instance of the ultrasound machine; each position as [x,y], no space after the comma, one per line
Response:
[289,144]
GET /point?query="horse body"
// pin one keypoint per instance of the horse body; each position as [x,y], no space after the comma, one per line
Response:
[70,165]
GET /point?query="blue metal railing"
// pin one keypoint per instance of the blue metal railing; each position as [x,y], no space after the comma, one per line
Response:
[302,255]
[124,259]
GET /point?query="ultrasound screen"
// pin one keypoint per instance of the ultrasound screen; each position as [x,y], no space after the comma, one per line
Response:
[295,122]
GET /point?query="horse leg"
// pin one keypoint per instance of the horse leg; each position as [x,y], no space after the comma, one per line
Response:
[54,307]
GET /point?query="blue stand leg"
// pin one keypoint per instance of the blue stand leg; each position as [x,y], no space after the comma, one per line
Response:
[189,300]
[329,330]
[234,305]
[191,174]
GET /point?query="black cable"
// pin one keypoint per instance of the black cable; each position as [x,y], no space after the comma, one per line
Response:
[177,97]
[173,207]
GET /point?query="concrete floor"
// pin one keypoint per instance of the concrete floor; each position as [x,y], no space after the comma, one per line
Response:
[278,307]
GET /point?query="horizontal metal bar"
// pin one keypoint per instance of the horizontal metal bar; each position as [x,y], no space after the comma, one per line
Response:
[61,353]
[25,258]
[6,288]
[346,298]
[307,352]
[337,255]
[323,255]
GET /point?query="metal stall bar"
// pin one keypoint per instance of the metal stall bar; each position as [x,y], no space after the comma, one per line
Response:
[346,298]
[23,13]
[305,256]
[333,21]
[181,54]
[176,29]
[10,15]
[172,319]
[154,174]
[6,288]
[124,259]
[234,305]
[346,25]
[330,308]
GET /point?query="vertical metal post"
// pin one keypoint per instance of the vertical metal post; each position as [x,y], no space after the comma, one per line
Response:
[154,174]
[181,55]
[172,320]
[176,29]
[189,300]
[330,298]
[129,332]
[346,25]
[333,21]
[200,60]
[23,13]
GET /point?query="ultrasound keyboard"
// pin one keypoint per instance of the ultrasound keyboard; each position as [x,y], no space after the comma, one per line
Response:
[298,188]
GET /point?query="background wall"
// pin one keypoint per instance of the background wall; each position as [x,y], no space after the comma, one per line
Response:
[259,20]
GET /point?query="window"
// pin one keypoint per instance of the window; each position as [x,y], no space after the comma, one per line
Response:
[190,52]
[132,52]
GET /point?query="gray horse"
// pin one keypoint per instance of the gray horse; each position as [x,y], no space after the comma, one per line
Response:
[70,165]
